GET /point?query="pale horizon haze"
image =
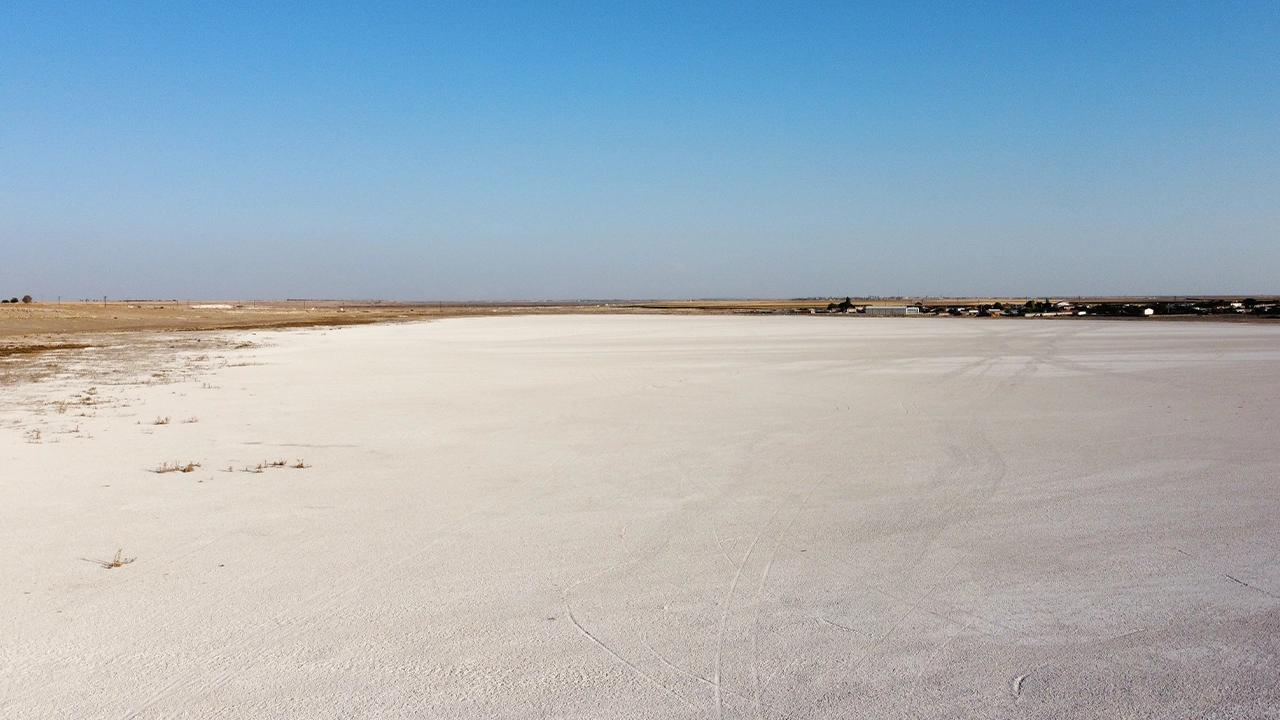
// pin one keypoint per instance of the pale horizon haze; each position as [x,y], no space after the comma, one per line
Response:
[478,151]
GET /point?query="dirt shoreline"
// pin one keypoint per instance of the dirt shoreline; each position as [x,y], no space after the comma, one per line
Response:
[29,331]
[25,324]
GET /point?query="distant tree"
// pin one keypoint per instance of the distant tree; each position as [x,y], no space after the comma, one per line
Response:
[26,299]
[13,300]
[1250,302]
[4,302]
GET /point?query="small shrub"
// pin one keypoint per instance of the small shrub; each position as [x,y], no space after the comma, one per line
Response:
[26,299]
[265,465]
[176,467]
[161,420]
[118,561]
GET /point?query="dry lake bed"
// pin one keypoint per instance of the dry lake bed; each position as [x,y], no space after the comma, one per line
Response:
[648,517]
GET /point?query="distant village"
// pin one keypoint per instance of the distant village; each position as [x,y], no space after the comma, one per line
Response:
[1268,307]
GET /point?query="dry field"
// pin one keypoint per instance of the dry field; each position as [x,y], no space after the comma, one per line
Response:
[645,516]
[22,323]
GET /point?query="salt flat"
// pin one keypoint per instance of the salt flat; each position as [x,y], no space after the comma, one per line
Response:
[652,517]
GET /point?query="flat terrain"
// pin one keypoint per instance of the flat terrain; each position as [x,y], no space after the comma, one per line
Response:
[29,324]
[647,517]
[34,327]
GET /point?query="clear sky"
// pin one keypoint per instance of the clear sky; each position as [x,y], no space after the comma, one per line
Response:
[572,150]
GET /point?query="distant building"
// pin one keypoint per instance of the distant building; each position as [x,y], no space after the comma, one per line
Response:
[892,310]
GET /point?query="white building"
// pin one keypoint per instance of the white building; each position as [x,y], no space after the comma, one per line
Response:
[888,310]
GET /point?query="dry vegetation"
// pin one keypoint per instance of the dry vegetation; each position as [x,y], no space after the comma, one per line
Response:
[28,349]
[175,467]
[116,562]
[29,327]
[273,464]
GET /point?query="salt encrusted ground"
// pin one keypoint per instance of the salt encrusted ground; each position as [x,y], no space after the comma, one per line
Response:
[650,517]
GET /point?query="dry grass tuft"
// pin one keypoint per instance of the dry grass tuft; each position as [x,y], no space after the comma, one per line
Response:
[268,465]
[118,561]
[176,467]
[161,420]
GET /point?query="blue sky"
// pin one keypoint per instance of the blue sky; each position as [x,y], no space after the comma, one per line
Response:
[569,150]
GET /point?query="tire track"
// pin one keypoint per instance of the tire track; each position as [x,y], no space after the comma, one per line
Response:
[724,615]
[764,581]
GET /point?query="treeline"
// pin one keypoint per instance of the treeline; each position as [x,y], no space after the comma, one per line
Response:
[1207,306]
[1193,306]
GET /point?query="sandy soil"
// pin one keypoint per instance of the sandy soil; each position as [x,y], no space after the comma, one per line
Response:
[25,325]
[648,517]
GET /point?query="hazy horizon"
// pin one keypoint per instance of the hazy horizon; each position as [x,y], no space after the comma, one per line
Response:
[508,152]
